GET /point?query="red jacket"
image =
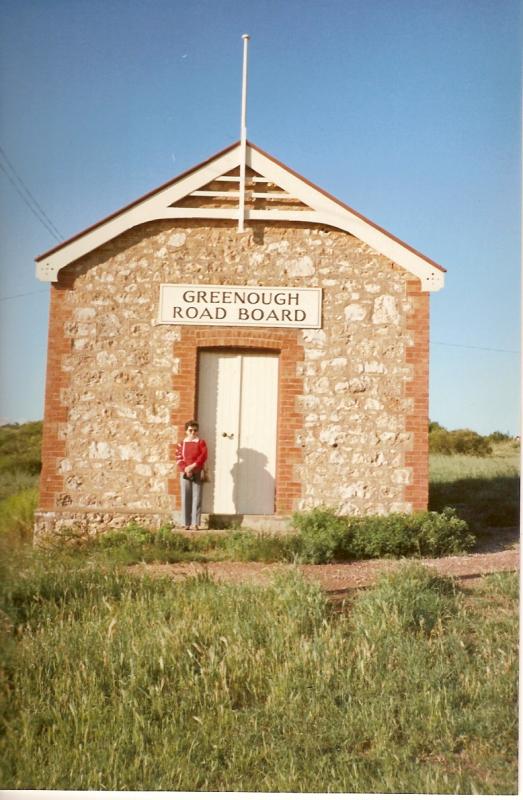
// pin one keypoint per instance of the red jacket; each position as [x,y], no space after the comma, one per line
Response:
[194,452]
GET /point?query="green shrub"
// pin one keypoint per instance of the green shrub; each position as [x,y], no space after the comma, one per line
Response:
[17,515]
[134,535]
[443,534]
[325,537]
[377,537]
[322,535]
[424,533]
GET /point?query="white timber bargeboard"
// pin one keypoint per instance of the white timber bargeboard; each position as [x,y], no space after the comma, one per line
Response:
[338,216]
[323,210]
[151,208]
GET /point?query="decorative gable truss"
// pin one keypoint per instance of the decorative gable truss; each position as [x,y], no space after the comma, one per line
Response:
[273,193]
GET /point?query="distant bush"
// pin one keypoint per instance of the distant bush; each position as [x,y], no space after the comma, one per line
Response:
[463,441]
[498,437]
[20,447]
[325,537]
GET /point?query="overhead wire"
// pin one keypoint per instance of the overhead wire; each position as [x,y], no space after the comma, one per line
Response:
[28,198]
[28,204]
[24,294]
[475,347]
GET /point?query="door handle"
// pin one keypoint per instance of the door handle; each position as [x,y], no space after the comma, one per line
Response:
[228,435]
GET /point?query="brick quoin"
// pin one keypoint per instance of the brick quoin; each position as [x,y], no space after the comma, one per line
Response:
[417,390]
[56,412]
[283,342]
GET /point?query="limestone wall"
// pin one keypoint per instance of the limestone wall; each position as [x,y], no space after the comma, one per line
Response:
[117,374]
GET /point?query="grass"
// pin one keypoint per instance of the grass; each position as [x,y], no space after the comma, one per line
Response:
[113,682]
[16,480]
[17,515]
[320,537]
[484,491]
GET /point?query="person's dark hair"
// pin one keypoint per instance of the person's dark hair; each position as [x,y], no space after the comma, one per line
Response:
[191,424]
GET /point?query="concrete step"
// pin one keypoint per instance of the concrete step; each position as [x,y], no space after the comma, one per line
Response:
[270,523]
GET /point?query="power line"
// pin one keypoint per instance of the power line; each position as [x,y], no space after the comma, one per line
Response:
[25,193]
[28,204]
[25,294]
[475,347]
[30,195]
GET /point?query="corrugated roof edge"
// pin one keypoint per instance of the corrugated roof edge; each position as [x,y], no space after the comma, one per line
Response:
[207,161]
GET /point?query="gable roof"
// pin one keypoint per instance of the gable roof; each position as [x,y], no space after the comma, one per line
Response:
[210,191]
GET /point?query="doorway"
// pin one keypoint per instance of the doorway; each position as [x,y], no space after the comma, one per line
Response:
[237,412]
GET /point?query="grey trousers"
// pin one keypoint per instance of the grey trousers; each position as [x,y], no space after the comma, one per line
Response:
[191,493]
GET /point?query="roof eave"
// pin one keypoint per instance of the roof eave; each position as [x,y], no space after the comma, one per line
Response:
[323,208]
[135,203]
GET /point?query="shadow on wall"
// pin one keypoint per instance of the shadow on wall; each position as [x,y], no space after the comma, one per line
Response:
[253,484]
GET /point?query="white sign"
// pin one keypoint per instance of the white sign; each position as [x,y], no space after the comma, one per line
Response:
[260,306]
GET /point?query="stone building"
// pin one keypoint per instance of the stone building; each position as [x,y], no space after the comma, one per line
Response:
[299,339]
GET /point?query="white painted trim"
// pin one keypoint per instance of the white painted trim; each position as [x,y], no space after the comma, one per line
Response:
[149,209]
[275,196]
[207,193]
[432,278]
[323,210]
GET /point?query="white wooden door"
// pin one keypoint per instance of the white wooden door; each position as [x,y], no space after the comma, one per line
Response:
[237,412]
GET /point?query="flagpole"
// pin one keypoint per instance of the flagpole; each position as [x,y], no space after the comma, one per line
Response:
[243,136]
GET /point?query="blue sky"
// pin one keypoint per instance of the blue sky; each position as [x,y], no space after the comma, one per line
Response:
[407,110]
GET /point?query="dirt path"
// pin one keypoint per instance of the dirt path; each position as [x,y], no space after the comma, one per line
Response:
[337,579]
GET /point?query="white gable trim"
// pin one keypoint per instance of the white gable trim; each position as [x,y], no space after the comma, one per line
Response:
[335,214]
[321,209]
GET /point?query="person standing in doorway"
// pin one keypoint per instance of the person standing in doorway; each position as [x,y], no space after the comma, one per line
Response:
[191,455]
